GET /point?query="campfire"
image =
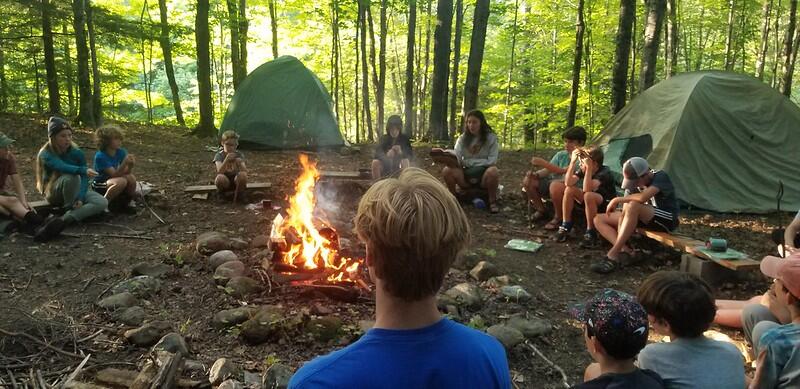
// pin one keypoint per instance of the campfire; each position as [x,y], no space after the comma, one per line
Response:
[306,248]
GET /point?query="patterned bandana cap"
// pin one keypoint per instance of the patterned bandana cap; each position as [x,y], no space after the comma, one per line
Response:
[615,318]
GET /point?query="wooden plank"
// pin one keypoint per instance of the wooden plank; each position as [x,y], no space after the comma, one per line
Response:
[211,188]
[200,196]
[356,175]
[689,245]
[39,204]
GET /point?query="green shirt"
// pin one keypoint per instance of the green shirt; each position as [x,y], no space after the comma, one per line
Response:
[561,159]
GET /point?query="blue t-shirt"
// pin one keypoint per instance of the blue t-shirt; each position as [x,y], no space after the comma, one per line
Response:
[443,355]
[695,363]
[781,365]
[103,161]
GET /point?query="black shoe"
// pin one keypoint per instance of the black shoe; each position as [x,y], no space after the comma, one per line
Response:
[604,266]
[49,230]
[590,241]
[561,235]
[33,219]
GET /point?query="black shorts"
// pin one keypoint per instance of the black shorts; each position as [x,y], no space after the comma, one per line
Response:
[662,221]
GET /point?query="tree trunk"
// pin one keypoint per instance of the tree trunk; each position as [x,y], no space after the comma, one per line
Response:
[147,77]
[166,49]
[766,11]
[206,126]
[68,71]
[511,73]
[580,26]
[372,64]
[454,72]
[233,25]
[273,18]
[3,82]
[788,65]
[652,36]
[409,87]
[729,37]
[54,99]
[475,61]
[422,125]
[243,30]
[97,100]
[36,84]
[363,6]
[634,49]
[619,88]
[441,62]
[777,49]
[85,114]
[356,75]
[672,38]
[380,88]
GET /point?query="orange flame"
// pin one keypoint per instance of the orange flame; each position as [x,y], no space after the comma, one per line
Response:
[314,251]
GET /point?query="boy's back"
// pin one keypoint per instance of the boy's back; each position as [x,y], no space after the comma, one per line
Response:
[695,363]
[443,355]
[780,367]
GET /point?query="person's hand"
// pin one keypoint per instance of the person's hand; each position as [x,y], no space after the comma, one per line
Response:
[391,153]
[25,204]
[397,149]
[536,161]
[790,250]
[230,157]
[575,154]
[130,159]
[612,205]
[77,204]
[91,172]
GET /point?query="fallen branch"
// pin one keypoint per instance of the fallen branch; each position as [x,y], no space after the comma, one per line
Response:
[90,337]
[121,236]
[135,232]
[144,201]
[41,343]
[75,372]
[553,365]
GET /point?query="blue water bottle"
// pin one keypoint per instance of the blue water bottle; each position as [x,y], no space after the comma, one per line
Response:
[478,203]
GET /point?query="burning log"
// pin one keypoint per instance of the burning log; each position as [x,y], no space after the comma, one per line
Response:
[336,292]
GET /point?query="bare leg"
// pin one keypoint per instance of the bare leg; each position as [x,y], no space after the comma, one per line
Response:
[404,163]
[557,189]
[241,182]
[222,182]
[729,312]
[452,177]
[606,225]
[490,181]
[130,189]
[590,202]
[571,195]
[531,185]
[12,205]
[116,186]
[632,212]
[377,168]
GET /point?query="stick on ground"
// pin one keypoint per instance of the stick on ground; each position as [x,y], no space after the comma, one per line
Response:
[553,365]
[41,343]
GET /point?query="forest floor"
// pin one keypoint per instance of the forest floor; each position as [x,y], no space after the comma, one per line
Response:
[50,290]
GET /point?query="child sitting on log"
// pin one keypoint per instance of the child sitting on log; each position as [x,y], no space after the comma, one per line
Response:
[394,151]
[230,166]
[114,168]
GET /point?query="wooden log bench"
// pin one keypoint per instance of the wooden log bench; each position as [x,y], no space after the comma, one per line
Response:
[199,189]
[711,269]
[351,175]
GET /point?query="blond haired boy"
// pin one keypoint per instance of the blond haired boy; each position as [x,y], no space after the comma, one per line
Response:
[230,166]
[413,229]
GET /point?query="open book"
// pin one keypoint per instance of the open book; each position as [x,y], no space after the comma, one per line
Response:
[445,157]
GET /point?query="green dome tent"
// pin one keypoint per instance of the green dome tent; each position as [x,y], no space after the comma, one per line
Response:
[282,105]
[725,139]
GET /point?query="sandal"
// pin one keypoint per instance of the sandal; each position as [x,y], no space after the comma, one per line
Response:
[552,225]
[493,208]
[604,266]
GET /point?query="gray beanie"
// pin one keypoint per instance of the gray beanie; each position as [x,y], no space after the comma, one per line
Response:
[55,124]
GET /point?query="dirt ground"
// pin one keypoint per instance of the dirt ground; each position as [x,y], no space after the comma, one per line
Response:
[49,290]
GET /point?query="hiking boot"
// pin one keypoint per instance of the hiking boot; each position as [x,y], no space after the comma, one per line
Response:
[590,240]
[605,266]
[32,218]
[49,230]
[561,235]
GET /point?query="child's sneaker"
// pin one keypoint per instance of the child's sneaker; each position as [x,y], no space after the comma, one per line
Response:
[49,230]
[562,234]
[590,240]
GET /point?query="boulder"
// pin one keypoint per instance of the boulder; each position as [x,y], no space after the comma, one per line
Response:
[278,376]
[228,270]
[241,287]
[259,241]
[263,326]
[221,257]
[498,281]
[173,343]
[155,270]
[515,293]
[238,244]
[148,334]
[324,328]
[230,384]
[139,286]
[508,336]
[133,316]
[529,327]
[211,242]
[466,294]
[253,380]
[484,270]
[466,261]
[232,317]
[119,300]
[221,370]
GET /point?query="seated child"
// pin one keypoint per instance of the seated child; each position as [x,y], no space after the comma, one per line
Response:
[778,347]
[15,204]
[394,151]
[549,179]
[649,202]
[597,191]
[114,168]
[680,305]
[229,162]
[615,330]
[63,177]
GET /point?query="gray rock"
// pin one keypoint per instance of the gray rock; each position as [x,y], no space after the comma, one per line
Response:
[278,376]
[499,281]
[515,293]
[119,300]
[148,334]
[529,327]
[453,311]
[221,370]
[221,257]
[241,287]
[264,325]
[253,380]
[172,342]
[238,244]
[211,242]
[466,294]
[320,309]
[140,286]
[259,241]
[133,316]
[228,270]
[324,328]
[190,365]
[508,336]
[155,270]
[484,270]
[232,317]
[231,384]
[443,300]
[466,261]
